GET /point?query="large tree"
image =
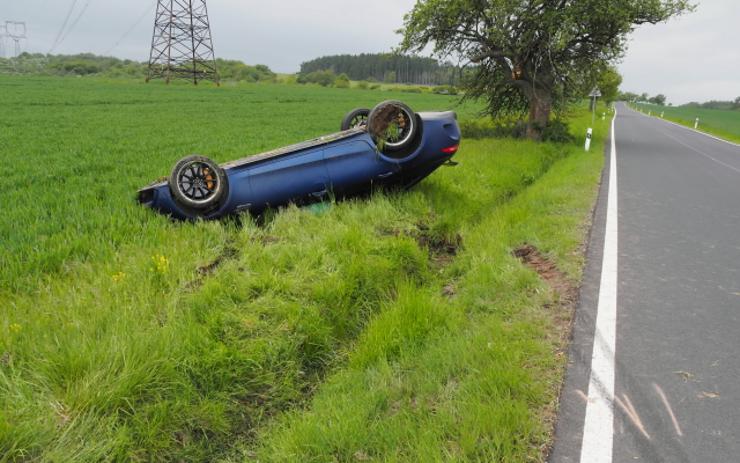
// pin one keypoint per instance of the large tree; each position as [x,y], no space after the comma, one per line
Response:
[608,82]
[531,55]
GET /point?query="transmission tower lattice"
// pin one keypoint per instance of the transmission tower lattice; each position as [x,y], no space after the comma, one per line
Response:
[3,35]
[16,31]
[182,47]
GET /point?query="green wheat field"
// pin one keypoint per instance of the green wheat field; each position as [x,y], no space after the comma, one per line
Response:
[392,328]
[720,122]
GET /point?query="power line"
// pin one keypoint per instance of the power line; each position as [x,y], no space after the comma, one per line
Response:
[64,26]
[131,29]
[74,23]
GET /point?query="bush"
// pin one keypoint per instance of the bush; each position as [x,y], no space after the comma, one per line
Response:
[405,89]
[363,85]
[238,71]
[324,78]
[445,90]
[557,131]
[289,79]
[342,81]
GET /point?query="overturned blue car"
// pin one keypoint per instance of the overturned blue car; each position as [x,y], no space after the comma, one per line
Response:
[388,146]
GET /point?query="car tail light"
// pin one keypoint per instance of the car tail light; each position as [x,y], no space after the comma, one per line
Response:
[451,149]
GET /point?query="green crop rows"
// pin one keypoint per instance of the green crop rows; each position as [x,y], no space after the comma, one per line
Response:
[720,122]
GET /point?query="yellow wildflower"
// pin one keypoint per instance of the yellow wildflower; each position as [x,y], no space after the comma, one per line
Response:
[160,264]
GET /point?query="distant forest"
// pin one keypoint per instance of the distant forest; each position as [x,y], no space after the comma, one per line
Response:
[387,67]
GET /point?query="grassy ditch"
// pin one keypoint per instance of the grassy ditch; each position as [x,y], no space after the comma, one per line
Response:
[467,368]
[398,327]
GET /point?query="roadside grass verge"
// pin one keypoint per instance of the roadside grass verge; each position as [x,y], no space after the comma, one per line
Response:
[144,339]
[718,122]
[472,376]
[152,358]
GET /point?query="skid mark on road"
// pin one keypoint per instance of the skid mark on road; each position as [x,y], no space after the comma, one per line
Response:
[668,407]
[626,405]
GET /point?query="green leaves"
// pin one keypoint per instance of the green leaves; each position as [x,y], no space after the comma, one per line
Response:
[523,53]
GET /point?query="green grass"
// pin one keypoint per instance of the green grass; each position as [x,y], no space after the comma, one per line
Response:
[722,123]
[327,334]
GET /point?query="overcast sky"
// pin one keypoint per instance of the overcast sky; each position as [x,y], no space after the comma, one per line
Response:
[696,57]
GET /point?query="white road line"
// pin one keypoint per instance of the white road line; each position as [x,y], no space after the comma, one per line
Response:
[598,429]
[702,153]
[689,128]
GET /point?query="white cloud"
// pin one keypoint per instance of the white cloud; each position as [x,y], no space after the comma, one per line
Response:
[693,58]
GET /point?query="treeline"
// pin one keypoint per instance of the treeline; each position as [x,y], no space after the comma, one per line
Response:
[88,64]
[716,104]
[659,99]
[84,64]
[386,67]
[239,71]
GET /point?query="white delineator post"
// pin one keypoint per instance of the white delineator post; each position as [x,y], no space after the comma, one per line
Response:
[662,113]
[696,123]
[589,134]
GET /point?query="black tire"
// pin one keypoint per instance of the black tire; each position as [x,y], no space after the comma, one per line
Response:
[382,118]
[198,183]
[355,119]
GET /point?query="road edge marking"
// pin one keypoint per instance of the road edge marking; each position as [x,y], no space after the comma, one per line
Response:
[598,428]
[698,151]
[689,128]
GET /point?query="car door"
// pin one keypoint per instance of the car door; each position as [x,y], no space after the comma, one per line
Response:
[354,166]
[297,177]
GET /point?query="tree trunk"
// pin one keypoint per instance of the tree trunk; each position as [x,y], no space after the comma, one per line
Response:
[540,105]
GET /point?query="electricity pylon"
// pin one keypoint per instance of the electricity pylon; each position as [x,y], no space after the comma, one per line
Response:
[182,47]
[16,30]
[3,34]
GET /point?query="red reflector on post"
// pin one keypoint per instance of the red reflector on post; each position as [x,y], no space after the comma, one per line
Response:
[451,149]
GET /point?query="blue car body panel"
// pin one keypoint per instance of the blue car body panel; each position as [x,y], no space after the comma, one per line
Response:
[339,165]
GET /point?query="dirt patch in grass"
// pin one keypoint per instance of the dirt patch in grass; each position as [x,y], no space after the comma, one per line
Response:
[566,291]
[442,249]
[562,311]
[229,252]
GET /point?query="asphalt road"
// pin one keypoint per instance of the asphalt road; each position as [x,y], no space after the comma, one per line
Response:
[661,381]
